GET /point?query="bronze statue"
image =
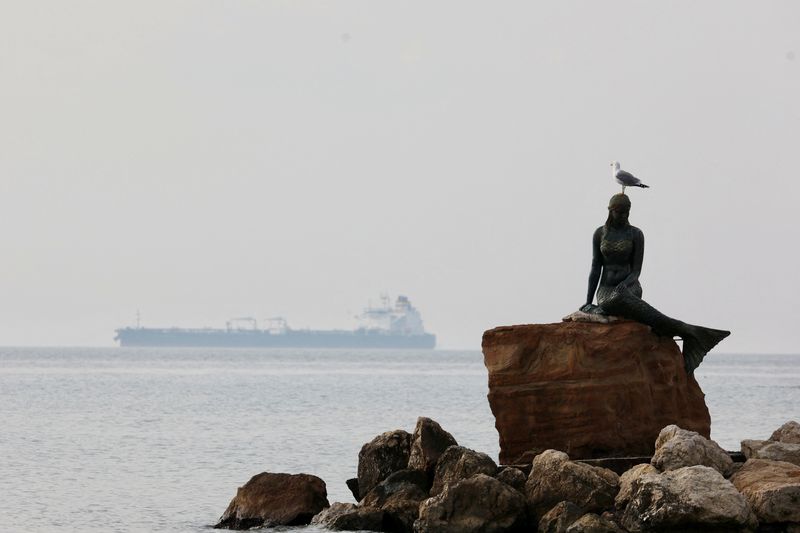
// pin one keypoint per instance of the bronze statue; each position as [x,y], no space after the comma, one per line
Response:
[617,254]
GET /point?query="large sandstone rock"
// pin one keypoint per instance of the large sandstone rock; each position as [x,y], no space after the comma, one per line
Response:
[591,390]
[457,463]
[398,497]
[480,504]
[788,433]
[676,448]
[270,499]
[554,478]
[772,488]
[349,517]
[690,498]
[427,444]
[386,453]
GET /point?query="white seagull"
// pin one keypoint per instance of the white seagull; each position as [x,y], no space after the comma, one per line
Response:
[626,179]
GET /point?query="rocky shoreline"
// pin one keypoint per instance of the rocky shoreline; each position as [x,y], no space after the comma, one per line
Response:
[424,482]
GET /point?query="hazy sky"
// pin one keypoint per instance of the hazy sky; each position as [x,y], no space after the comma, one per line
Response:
[205,160]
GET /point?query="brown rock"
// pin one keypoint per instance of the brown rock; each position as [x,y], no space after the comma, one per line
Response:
[592,523]
[750,446]
[591,390]
[779,451]
[275,499]
[386,453]
[457,463]
[554,478]
[626,483]
[676,448]
[772,488]
[399,496]
[559,518]
[788,433]
[427,444]
[480,504]
[513,477]
[349,517]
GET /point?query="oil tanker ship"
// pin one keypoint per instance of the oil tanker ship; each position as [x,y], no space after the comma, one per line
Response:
[384,326]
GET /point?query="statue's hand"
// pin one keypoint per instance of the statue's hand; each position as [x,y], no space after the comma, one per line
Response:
[587,308]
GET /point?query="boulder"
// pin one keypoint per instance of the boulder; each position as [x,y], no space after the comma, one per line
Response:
[626,483]
[592,523]
[690,498]
[427,444]
[398,497]
[788,433]
[677,448]
[271,499]
[750,446]
[513,477]
[349,517]
[559,518]
[457,463]
[386,453]
[480,504]
[772,488]
[554,478]
[590,390]
[778,451]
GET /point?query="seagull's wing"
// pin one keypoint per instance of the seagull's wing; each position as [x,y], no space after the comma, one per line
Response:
[627,179]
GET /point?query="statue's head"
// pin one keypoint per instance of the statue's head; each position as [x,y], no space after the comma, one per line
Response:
[619,207]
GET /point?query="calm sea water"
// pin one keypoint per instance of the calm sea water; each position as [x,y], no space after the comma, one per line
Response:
[113,439]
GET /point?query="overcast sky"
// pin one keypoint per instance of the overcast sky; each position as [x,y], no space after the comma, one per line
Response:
[201,160]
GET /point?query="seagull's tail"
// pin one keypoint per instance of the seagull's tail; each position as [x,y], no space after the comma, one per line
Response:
[642,185]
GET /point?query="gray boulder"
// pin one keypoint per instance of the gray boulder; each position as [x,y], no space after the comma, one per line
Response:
[386,453]
[751,446]
[513,477]
[677,448]
[689,498]
[554,478]
[457,463]
[398,497]
[626,482]
[772,488]
[788,433]
[778,451]
[480,504]
[428,444]
[349,517]
[272,499]
[559,518]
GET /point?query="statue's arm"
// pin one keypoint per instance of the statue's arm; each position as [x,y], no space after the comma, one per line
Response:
[636,260]
[597,266]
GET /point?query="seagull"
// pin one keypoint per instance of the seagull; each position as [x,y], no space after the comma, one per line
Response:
[626,179]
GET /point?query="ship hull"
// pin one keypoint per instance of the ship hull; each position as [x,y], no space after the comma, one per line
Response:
[168,337]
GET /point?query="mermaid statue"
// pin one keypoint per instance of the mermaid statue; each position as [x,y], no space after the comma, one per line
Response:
[617,254]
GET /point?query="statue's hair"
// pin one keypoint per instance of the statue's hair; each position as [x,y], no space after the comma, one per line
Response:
[618,200]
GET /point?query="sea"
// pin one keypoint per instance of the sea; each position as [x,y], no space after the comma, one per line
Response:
[159,439]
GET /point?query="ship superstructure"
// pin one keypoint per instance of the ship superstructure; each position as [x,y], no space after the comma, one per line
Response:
[383,326]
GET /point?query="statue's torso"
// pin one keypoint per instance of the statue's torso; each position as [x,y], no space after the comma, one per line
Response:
[616,245]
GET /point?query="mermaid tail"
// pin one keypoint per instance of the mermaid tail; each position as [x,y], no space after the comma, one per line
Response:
[627,303]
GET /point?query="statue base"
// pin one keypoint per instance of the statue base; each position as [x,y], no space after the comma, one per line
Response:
[591,390]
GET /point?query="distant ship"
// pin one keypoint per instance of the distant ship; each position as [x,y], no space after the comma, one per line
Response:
[385,326]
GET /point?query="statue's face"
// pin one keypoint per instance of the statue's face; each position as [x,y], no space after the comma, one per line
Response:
[619,215]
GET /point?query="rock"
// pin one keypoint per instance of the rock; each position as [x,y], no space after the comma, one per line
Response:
[580,316]
[386,453]
[457,463]
[590,390]
[690,498]
[554,478]
[270,499]
[778,451]
[772,488]
[399,496]
[349,517]
[749,446]
[626,483]
[592,523]
[788,433]
[559,518]
[352,484]
[427,444]
[480,504]
[677,448]
[513,477]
